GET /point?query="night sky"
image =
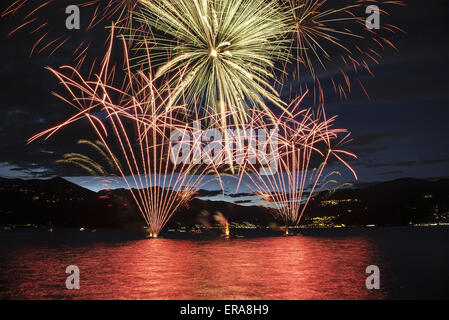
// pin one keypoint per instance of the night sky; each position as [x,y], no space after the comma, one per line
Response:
[401,132]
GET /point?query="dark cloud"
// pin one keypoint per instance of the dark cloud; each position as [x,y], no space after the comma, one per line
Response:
[240,195]
[208,193]
[376,138]
[243,201]
[386,173]
[407,163]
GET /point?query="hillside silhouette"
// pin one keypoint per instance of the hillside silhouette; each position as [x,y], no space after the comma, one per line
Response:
[58,202]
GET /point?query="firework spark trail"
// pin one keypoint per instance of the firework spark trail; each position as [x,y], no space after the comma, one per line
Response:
[221,54]
[317,30]
[303,138]
[50,38]
[103,170]
[139,125]
[120,11]
[221,60]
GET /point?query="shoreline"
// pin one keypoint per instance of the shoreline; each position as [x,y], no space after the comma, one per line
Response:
[211,234]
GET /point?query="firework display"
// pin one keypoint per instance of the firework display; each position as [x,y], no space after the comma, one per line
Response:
[222,63]
[220,53]
[259,152]
[139,126]
[306,142]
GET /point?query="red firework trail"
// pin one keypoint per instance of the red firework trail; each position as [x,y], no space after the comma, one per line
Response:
[158,186]
[336,41]
[140,125]
[49,37]
[307,142]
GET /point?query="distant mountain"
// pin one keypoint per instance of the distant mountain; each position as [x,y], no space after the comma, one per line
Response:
[398,202]
[58,202]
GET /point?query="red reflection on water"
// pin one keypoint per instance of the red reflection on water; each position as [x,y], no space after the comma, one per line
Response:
[262,268]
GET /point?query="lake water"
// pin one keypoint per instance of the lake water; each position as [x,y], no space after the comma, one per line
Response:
[319,264]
